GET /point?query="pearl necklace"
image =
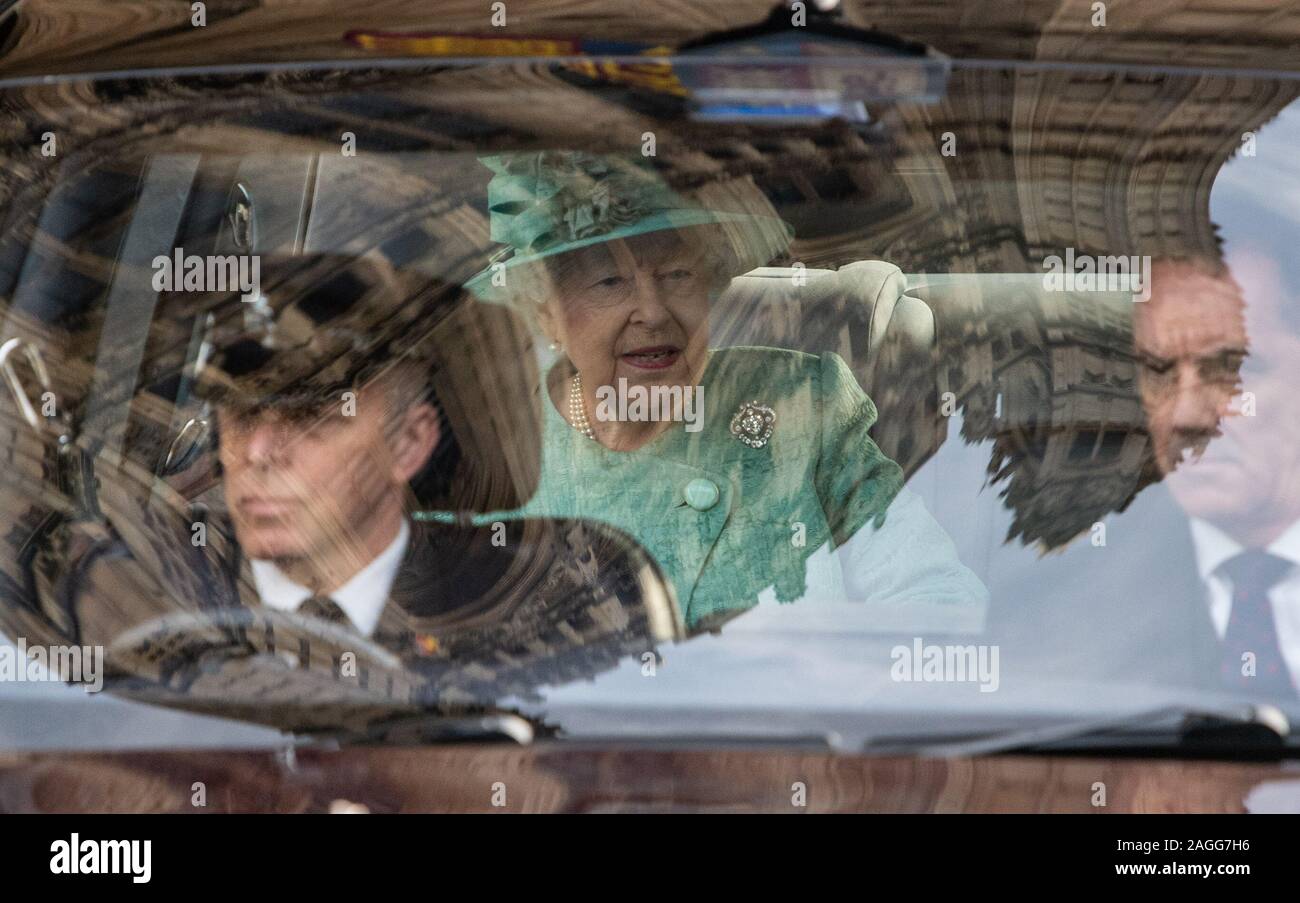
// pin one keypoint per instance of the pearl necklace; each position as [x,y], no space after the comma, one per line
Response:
[578,410]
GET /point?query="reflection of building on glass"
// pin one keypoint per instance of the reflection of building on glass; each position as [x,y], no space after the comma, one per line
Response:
[1029,174]
[354,380]
[1037,167]
[1071,433]
[1029,185]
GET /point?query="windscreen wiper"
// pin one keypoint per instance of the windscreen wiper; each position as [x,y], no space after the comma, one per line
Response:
[1257,732]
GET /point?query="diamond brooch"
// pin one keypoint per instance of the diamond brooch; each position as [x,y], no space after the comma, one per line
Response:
[752,424]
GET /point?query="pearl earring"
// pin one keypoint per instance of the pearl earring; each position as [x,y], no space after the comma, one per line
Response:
[554,346]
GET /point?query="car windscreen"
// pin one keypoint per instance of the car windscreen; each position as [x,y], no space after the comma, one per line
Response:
[333,398]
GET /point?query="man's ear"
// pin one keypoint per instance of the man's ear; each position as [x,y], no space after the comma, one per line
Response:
[417,436]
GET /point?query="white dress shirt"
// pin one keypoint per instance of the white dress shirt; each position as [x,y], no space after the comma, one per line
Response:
[1214,547]
[362,598]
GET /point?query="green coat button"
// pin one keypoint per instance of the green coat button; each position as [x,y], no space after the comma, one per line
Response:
[701,494]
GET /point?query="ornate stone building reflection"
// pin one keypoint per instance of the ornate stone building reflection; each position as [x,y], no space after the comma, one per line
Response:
[1104,163]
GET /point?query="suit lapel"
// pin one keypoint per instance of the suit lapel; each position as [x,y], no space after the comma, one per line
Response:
[1204,648]
[395,629]
[1184,610]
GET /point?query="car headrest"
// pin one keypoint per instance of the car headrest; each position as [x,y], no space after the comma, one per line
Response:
[853,311]
[861,312]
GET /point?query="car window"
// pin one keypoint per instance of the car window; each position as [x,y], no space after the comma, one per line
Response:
[383,391]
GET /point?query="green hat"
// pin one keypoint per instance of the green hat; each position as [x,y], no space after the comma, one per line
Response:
[550,202]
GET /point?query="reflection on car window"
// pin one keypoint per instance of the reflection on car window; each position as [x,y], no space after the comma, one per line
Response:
[799,416]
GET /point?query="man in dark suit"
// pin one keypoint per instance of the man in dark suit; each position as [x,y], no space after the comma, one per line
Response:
[1197,584]
[351,400]
[1241,493]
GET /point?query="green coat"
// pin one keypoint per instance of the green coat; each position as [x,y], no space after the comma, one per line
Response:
[819,478]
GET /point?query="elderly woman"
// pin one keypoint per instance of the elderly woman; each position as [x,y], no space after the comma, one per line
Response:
[748,473]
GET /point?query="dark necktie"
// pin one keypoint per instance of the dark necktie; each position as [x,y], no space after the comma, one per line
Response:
[326,609]
[1251,627]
